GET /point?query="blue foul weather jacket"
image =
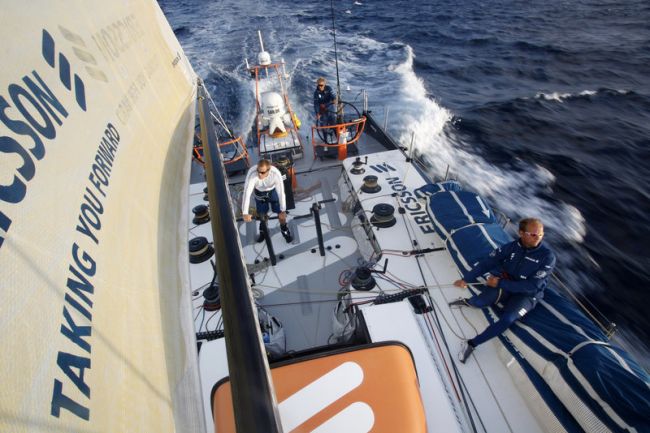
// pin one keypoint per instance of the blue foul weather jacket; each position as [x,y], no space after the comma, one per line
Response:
[523,271]
[322,98]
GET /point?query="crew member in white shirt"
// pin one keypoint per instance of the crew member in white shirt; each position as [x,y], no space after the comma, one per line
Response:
[264,183]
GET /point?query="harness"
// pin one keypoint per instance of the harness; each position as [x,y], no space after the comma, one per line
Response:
[262,196]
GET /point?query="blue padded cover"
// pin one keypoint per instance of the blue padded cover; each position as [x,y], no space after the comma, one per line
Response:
[472,243]
[607,380]
[452,210]
[432,188]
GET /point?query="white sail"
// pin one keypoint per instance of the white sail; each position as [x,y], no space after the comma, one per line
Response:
[96,122]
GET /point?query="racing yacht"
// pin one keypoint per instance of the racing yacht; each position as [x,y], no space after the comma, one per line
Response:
[135,299]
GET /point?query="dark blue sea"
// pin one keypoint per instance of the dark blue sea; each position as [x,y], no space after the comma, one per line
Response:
[542,107]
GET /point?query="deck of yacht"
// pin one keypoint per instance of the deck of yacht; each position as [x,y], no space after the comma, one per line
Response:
[301,291]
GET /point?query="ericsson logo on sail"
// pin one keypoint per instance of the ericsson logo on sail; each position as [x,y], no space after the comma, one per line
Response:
[33,113]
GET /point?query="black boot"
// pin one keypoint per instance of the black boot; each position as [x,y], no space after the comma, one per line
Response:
[260,236]
[284,229]
[460,302]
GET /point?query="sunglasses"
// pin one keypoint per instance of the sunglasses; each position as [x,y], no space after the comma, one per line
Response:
[534,235]
[262,172]
[321,85]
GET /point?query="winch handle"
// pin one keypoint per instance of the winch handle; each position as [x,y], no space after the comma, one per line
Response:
[376,271]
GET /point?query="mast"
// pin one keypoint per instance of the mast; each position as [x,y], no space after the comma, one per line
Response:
[336,59]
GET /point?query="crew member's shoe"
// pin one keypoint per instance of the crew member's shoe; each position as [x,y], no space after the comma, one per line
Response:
[460,302]
[260,236]
[284,229]
[466,350]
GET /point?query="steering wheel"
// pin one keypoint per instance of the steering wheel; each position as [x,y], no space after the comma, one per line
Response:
[334,114]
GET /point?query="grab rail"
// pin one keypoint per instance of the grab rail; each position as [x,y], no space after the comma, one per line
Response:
[337,130]
[237,143]
[253,397]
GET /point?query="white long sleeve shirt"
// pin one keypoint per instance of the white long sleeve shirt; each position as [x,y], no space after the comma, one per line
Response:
[272,180]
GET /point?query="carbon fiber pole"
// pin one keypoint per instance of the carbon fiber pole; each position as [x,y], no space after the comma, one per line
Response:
[253,397]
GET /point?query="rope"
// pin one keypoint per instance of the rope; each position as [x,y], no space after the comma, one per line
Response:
[609,331]
[434,336]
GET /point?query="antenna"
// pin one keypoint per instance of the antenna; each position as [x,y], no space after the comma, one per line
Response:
[336,57]
[284,69]
[259,34]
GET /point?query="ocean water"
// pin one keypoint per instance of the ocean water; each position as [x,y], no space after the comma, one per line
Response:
[542,107]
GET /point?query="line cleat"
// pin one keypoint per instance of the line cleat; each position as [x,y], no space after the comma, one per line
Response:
[466,350]
[460,302]
[284,229]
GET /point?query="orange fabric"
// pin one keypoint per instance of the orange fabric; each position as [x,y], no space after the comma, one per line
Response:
[292,174]
[343,148]
[389,387]
[279,134]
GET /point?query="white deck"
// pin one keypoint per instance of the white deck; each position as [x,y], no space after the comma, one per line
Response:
[301,292]
[485,377]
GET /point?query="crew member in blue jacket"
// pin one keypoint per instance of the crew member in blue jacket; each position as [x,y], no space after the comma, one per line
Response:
[323,96]
[519,273]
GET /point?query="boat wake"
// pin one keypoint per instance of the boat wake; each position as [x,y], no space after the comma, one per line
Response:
[522,189]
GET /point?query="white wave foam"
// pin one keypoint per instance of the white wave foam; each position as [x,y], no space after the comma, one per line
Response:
[561,97]
[426,119]
[518,192]
[555,96]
